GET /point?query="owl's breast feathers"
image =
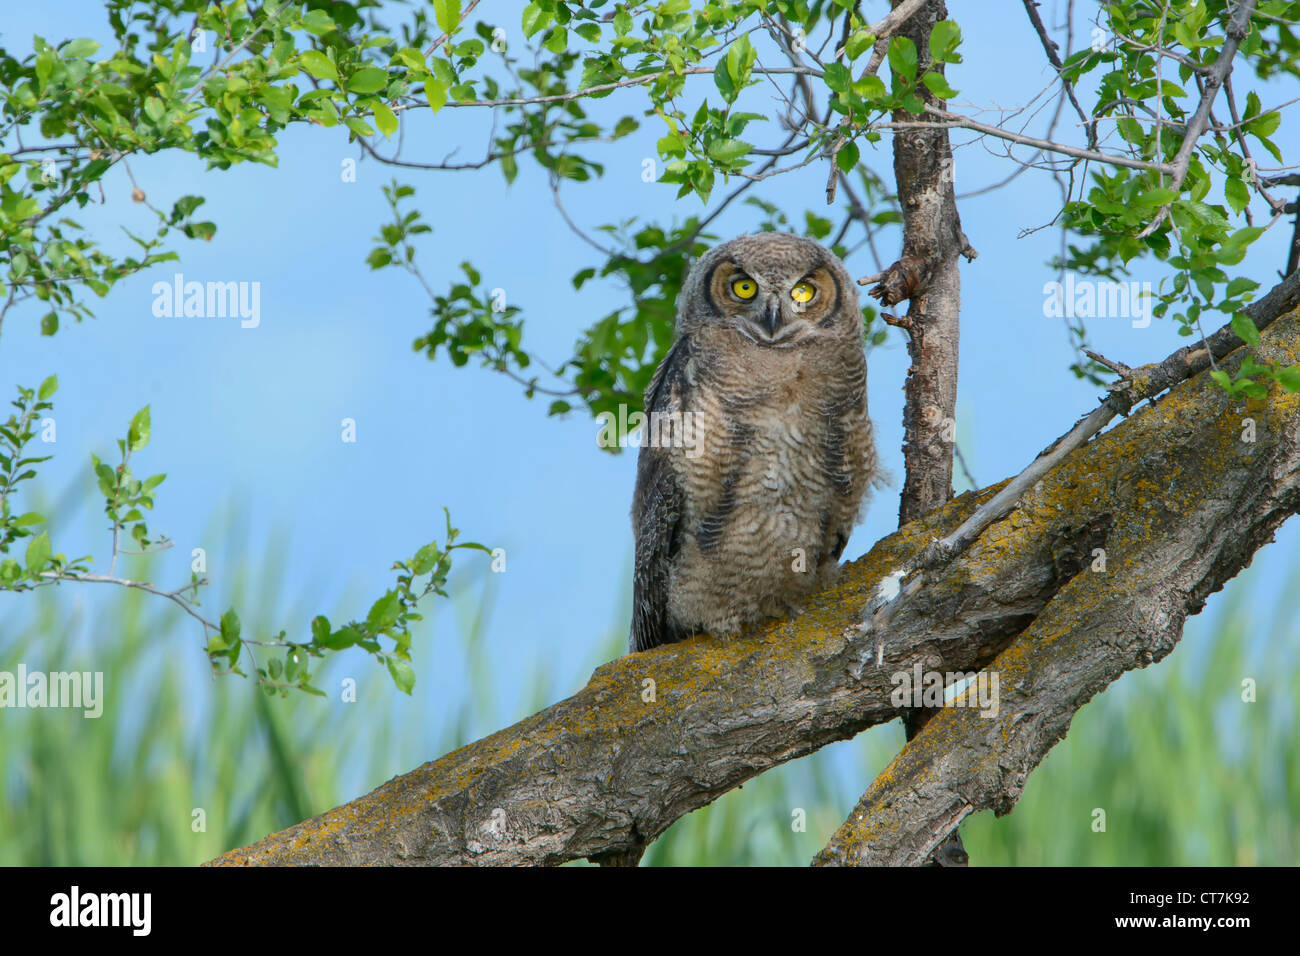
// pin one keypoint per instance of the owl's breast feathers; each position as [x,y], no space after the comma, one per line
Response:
[751,513]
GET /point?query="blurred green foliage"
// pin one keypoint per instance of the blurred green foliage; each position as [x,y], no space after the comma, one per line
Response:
[1186,772]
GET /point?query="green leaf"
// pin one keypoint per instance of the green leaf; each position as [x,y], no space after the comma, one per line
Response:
[1253,106]
[944,40]
[44,68]
[48,388]
[359,126]
[1245,329]
[740,60]
[320,628]
[318,65]
[317,22]
[847,157]
[838,77]
[436,91]
[902,57]
[1289,378]
[1237,194]
[557,41]
[448,14]
[344,637]
[367,80]
[1265,126]
[938,85]
[728,150]
[1233,249]
[385,119]
[79,48]
[1239,285]
[723,81]
[138,435]
[294,661]
[534,19]
[870,87]
[402,674]
[384,612]
[230,626]
[10,571]
[444,71]
[1156,196]
[858,43]
[426,558]
[1192,212]
[672,145]
[38,553]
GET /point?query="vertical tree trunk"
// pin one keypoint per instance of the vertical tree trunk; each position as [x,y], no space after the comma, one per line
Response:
[933,243]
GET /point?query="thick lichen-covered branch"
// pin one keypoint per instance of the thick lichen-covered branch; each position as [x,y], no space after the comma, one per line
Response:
[1174,496]
[1191,487]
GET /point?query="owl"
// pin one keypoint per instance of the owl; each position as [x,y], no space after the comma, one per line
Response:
[757,453]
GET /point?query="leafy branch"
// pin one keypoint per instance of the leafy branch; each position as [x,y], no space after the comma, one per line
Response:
[126,498]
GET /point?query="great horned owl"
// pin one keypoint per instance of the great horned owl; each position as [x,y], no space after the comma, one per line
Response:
[757,452]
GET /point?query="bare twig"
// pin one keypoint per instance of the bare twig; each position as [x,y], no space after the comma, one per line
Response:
[637,80]
[1238,29]
[1140,384]
[965,122]
[469,8]
[1050,48]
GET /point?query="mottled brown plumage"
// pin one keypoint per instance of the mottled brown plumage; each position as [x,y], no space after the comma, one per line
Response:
[746,513]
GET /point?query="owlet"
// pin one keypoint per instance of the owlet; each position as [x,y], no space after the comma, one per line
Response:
[757,451]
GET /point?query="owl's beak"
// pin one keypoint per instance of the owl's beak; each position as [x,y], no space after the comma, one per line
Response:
[772,316]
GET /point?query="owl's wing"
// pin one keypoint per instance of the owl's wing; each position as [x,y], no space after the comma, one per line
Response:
[657,512]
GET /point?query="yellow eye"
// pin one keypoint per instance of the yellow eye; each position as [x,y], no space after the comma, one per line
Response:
[803,292]
[744,288]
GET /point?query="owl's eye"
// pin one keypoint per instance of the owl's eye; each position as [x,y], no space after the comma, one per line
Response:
[744,288]
[803,292]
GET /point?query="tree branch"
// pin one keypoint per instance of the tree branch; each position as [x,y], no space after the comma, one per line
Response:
[1220,499]
[965,122]
[1050,47]
[610,768]
[1238,29]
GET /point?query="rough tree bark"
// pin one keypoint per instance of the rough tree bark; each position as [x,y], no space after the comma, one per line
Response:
[928,275]
[1187,501]
[1175,495]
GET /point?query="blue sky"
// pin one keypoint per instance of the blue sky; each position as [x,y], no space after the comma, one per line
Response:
[252,416]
